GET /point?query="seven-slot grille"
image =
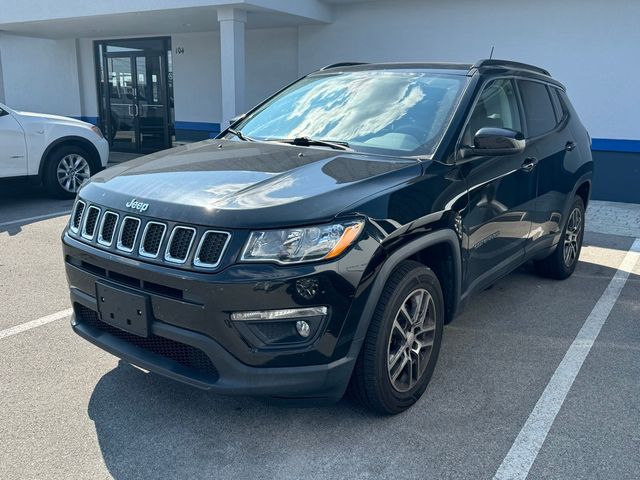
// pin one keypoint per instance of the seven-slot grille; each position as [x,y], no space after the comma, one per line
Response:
[77,216]
[151,239]
[128,233]
[180,244]
[148,239]
[210,249]
[107,228]
[90,222]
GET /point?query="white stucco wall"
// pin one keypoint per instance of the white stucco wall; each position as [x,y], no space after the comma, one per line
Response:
[271,62]
[196,77]
[40,74]
[592,47]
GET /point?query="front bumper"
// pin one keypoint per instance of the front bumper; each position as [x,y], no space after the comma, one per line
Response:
[191,319]
[228,375]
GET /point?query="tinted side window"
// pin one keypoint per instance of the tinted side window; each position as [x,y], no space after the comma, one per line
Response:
[557,106]
[538,109]
[496,107]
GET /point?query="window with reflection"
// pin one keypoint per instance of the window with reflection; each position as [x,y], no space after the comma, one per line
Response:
[390,112]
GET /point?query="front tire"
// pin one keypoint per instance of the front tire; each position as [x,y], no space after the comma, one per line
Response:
[400,351]
[66,169]
[564,259]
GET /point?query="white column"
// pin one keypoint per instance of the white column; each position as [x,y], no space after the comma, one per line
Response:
[232,58]
[1,74]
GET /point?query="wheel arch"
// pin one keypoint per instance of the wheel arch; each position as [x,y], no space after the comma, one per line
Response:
[584,190]
[70,141]
[421,249]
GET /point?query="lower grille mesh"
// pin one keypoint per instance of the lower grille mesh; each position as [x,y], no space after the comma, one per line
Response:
[185,355]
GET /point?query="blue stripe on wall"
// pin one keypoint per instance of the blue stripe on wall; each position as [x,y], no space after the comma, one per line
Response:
[615,145]
[213,129]
[93,120]
[198,126]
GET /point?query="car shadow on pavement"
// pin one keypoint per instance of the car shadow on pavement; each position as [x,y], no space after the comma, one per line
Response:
[151,427]
[496,360]
[24,204]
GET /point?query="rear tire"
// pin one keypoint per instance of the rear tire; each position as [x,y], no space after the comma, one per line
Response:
[562,262]
[400,351]
[66,169]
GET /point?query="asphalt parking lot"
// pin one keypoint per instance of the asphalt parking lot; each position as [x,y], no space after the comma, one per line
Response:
[514,386]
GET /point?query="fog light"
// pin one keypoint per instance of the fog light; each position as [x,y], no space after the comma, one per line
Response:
[303,328]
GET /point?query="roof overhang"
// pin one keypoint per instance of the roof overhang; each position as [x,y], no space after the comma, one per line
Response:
[79,18]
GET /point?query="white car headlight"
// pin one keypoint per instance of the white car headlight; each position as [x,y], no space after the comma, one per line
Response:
[304,244]
[97,131]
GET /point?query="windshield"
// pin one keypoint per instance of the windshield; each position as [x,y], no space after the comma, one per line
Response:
[388,112]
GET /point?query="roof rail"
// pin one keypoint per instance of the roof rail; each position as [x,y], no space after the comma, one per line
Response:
[342,64]
[510,64]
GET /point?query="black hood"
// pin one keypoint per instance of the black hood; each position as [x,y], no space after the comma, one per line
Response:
[233,184]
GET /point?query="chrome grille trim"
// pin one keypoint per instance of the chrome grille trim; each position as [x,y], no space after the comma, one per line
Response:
[191,243]
[167,252]
[72,227]
[141,249]
[87,215]
[119,245]
[196,259]
[101,239]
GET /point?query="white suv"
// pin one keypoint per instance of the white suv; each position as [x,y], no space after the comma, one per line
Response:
[60,152]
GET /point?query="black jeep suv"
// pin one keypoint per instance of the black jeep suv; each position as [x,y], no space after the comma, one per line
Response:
[326,237]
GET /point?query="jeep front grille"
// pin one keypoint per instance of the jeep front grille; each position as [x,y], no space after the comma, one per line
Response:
[210,249]
[169,243]
[128,233]
[77,216]
[90,222]
[107,228]
[179,244]
[152,239]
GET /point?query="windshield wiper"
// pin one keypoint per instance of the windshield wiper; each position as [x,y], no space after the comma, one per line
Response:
[307,142]
[240,135]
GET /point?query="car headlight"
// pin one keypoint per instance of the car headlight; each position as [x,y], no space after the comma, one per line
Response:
[97,131]
[304,244]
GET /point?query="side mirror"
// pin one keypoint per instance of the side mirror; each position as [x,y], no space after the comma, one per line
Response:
[237,118]
[496,141]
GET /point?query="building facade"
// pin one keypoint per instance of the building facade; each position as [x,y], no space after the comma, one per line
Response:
[155,72]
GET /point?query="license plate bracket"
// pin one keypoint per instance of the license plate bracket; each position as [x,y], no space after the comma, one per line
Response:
[124,309]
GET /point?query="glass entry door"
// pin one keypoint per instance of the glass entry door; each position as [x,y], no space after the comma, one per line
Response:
[135,112]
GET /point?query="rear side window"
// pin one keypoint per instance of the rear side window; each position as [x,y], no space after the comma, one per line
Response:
[538,109]
[557,106]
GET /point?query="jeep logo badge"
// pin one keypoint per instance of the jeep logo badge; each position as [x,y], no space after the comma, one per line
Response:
[136,205]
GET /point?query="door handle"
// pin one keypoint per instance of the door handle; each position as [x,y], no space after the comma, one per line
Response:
[529,164]
[570,145]
[137,110]
[131,110]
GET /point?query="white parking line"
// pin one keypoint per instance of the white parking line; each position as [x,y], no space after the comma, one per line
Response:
[23,327]
[524,450]
[37,217]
